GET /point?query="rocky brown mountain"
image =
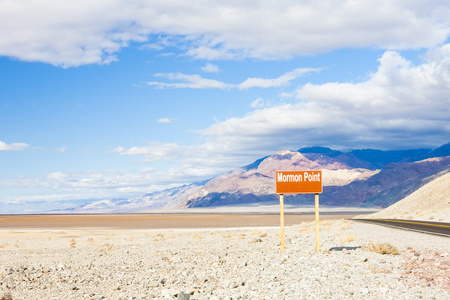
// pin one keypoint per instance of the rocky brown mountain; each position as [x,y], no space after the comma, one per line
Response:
[344,185]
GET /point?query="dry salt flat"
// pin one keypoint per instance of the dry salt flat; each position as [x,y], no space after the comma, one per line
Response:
[236,263]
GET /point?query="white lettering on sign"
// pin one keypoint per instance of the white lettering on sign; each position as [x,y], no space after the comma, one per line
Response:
[298,177]
[289,178]
[311,177]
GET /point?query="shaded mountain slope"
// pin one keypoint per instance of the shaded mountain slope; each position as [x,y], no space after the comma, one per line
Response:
[391,184]
[431,202]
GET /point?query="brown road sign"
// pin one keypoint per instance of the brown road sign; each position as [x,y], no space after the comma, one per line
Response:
[298,182]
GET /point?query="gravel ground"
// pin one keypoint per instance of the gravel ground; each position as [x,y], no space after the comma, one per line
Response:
[241,263]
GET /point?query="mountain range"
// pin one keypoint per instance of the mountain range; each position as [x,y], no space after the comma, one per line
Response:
[364,178]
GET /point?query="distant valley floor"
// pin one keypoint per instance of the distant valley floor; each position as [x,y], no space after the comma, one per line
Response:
[153,221]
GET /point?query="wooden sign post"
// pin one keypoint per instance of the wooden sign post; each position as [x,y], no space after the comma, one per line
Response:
[282,222]
[316,210]
[299,182]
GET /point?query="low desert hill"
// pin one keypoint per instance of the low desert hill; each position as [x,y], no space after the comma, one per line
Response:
[431,202]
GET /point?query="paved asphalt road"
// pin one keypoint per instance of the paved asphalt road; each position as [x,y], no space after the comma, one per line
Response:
[438,228]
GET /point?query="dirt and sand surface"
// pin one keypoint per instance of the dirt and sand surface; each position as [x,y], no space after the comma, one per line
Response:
[215,256]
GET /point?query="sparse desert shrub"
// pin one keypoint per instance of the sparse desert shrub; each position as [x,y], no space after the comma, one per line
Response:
[6,296]
[306,230]
[255,241]
[196,236]
[348,238]
[381,248]
[228,235]
[327,224]
[108,246]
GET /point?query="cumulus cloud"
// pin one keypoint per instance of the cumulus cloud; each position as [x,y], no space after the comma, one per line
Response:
[13,147]
[86,32]
[398,90]
[400,104]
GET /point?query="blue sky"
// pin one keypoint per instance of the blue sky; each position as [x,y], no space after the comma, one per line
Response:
[111,99]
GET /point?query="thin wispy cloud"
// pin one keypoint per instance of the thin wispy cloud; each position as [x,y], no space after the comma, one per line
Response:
[62,149]
[92,184]
[197,82]
[152,152]
[210,68]
[165,120]
[188,81]
[284,80]
[258,103]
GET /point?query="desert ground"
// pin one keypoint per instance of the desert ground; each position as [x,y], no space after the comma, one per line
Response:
[217,256]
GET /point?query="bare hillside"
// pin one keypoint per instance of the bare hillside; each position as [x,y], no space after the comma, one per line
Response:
[429,203]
